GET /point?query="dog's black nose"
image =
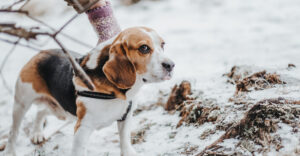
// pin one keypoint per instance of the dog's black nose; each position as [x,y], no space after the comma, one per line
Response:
[168,65]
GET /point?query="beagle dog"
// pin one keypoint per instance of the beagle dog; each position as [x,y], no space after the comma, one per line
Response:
[118,68]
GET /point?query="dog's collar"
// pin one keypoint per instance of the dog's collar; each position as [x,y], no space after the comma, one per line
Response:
[96,95]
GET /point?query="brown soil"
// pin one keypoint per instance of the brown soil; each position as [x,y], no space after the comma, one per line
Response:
[198,113]
[260,121]
[192,111]
[258,81]
[178,95]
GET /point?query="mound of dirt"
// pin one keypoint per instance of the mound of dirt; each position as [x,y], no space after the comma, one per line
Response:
[291,65]
[245,82]
[194,111]
[237,73]
[178,95]
[259,123]
[199,112]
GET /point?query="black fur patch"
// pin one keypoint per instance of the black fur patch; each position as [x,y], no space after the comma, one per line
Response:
[57,72]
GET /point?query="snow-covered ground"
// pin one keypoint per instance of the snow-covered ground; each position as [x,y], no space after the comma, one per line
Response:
[205,38]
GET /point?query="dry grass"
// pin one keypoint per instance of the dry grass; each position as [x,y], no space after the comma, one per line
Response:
[192,110]
[258,81]
[139,136]
[259,122]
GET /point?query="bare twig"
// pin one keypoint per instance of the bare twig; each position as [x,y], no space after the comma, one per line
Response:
[61,33]
[15,3]
[67,23]
[27,1]
[46,25]
[14,11]
[77,69]
[11,29]
[20,44]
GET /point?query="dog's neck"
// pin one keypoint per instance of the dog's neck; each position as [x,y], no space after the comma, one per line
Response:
[92,64]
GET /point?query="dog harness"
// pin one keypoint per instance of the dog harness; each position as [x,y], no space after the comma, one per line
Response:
[97,95]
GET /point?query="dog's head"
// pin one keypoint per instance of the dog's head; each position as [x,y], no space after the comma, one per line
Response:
[137,51]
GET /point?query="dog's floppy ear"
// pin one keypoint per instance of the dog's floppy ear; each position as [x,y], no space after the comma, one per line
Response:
[118,69]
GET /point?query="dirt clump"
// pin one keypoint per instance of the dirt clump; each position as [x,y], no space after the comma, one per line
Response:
[237,73]
[260,122]
[199,112]
[246,81]
[258,81]
[178,95]
[291,65]
[193,110]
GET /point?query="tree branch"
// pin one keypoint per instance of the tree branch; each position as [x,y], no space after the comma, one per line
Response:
[20,32]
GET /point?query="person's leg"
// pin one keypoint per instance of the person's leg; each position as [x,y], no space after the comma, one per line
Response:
[102,18]
[100,15]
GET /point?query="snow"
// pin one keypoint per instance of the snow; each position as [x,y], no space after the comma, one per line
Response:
[205,38]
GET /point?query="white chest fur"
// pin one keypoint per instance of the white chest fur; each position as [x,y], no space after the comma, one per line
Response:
[101,113]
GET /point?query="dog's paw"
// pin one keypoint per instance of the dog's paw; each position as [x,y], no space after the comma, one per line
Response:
[37,138]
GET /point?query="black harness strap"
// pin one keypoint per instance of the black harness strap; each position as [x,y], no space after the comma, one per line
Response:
[127,111]
[96,95]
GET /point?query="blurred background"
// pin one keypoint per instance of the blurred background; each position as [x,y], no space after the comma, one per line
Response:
[205,38]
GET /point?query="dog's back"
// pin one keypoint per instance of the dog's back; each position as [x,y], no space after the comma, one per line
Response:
[50,73]
[57,72]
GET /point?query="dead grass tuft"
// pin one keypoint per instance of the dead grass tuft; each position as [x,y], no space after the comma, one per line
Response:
[139,136]
[198,113]
[178,95]
[258,81]
[262,120]
[291,65]
[189,149]
[192,111]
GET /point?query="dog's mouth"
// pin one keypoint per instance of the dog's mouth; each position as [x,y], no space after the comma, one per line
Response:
[168,76]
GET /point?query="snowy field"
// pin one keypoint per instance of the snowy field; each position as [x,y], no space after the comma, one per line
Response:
[205,38]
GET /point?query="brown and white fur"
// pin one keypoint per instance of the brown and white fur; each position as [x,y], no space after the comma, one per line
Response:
[115,65]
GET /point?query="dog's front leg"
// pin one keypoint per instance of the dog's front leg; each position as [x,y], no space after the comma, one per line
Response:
[80,140]
[125,136]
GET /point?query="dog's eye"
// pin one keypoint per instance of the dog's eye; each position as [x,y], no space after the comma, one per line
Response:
[144,49]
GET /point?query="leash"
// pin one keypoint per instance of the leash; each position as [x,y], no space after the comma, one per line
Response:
[97,95]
